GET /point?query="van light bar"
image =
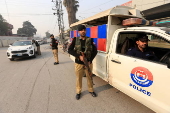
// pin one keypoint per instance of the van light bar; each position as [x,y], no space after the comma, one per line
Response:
[163,24]
[138,21]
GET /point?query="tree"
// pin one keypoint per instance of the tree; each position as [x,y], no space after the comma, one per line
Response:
[72,8]
[28,29]
[1,18]
[47,34]
[3,26]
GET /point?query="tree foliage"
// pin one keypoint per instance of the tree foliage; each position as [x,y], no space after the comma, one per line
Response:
[28,29]
[1,18]
[72,8]
[3,26]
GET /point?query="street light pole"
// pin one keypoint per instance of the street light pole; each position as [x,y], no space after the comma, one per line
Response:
[59,13]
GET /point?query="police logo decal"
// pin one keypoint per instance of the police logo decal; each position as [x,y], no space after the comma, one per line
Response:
[141,76]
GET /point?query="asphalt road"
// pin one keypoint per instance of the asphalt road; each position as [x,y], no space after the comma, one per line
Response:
[35,85]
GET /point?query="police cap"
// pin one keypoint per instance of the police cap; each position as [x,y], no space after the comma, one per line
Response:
[81,27]
[143,38]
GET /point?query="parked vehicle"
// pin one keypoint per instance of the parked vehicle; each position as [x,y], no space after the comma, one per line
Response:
[48,40]
[144,80]
[40,42]
[20,49]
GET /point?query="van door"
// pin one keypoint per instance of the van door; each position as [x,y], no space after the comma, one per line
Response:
[99,65]
[144,80]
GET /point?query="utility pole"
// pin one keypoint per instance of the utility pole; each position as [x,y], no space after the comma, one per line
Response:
[59,12]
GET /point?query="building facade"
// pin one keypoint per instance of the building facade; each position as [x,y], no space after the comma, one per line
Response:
[157,10]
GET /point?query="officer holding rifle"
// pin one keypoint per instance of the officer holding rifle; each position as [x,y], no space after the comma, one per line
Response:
[84,51]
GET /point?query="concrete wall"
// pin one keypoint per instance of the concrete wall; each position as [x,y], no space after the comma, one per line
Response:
[13,38]
[148,4]
[1,44]
[7,40]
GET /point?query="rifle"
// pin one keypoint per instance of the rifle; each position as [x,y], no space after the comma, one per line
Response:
[87,66]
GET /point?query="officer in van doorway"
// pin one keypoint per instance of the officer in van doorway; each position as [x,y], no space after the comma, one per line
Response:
[83,44]
[142,50]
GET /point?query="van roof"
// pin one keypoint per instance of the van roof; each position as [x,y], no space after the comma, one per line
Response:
[162,30]
[146,27]
[118,10]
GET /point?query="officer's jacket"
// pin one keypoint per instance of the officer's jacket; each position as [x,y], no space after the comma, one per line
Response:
[54,43]
[146,54]
[73,51]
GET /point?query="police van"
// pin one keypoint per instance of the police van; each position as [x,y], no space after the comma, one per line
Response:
[114,32]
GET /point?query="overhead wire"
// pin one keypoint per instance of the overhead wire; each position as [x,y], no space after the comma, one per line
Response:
[26,14]
[50,19]
[13,4]
[7,10]
[98,5]
[21,2]
[83,12]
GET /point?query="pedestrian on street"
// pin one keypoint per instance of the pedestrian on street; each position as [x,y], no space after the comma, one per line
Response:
[54,46]
[83,44]
[38,46]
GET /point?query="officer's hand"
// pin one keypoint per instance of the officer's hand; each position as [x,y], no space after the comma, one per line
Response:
[81,58]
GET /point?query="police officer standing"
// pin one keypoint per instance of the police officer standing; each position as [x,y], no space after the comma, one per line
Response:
[82,44]
[54,45]
[38,47]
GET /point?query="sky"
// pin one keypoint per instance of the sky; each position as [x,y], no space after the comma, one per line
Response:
[40,13]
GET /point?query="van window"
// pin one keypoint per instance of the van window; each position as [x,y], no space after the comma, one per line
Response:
[125,41]
[158,49]
[156,41]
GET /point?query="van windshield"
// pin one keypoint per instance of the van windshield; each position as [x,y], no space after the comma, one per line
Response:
[167,30]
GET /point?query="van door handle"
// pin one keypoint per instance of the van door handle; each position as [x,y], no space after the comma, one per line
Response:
[116,61]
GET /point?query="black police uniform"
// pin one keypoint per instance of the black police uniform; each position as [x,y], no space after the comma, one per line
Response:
[55,50]
[146,54]
[54,44]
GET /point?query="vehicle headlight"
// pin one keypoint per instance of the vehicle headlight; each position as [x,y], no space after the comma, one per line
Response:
[9,49]
[29,47]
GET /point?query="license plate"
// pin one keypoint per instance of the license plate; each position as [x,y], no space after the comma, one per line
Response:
[19,54]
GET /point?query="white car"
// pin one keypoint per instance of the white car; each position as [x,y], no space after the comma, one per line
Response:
[20,49]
